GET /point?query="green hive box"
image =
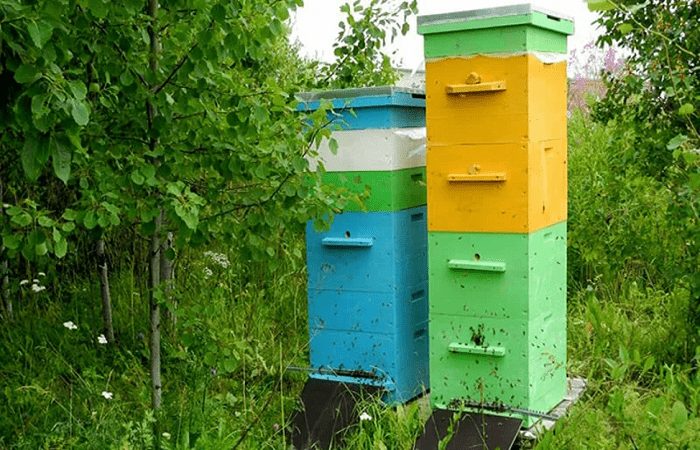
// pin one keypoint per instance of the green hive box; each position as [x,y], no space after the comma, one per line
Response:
[390,190]
[509,29]
[498,318]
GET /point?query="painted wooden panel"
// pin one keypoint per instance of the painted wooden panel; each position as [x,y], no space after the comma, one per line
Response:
[495,30]
[500,188]
[532,106]
[359,109]
[374,150]
[396,258]
[531,284]
[390,190]
[507,369]
[400,360]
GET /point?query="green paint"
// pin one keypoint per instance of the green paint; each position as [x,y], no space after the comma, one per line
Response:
[389,190]
[531,32]
[522,310]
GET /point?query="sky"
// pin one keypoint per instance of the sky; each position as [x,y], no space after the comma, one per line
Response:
[315,25]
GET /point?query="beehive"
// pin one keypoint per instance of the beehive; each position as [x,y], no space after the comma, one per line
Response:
[367,289]
[496,173]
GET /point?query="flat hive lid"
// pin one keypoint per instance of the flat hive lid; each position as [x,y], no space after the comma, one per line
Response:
[364,97]
[496,17]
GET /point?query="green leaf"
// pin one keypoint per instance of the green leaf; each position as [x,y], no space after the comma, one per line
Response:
[686,109]
[137,178]
[11,241]
[46,222]
[679,415]
[600,5]
[333,146]
[30,160]
[676,142]
[26,74]
[60,248]
[61,157]
[90,220]
[625,28]
[80,112]
[98,8]
[21,220]
[40,33]
[78,89]
[218,13]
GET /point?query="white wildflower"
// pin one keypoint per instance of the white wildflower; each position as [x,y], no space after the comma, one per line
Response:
[41,274]
[37,288]
[23,282]
[218,258]
[107,395]
[166,435]
[101,339]
[365,416]
[207,272]
[36,281]
[70,325]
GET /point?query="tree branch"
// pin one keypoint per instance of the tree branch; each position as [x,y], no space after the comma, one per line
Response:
[175,70]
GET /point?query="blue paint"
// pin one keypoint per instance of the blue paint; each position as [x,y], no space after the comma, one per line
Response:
[396,258]
[368,306]
[400,360]
[390,109]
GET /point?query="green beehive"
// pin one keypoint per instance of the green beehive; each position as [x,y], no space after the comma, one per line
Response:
[509,29]
[498,318]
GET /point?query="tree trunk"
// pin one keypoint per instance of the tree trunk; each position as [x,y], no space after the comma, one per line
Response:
[155,315]
[106,299]
[155,242]
[167,274]
[5,269]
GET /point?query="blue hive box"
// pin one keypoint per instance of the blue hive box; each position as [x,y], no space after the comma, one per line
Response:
[376,107]
[368,300]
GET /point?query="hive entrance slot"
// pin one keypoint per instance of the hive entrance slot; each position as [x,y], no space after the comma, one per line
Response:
[347,234]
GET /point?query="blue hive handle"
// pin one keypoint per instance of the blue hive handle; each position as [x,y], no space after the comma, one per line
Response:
[347,242]
[482,266]
[456,347]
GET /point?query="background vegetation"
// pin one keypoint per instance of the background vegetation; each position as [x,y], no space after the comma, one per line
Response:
[82,160]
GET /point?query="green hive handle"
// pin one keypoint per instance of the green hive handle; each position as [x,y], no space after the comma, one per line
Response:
[472,349]
[482,266]
[347,242]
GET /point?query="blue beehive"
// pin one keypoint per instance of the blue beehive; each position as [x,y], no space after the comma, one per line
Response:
[368,275]
[368,299]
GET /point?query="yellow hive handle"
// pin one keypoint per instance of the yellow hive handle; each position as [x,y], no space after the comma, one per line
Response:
[467,178]
[456,347]
[492,86]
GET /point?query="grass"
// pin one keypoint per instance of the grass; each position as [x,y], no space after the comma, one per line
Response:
[240,324]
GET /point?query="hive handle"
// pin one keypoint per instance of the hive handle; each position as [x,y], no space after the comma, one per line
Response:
[478,177]
[471,349]
[346,242]
[491,86]
[481,266]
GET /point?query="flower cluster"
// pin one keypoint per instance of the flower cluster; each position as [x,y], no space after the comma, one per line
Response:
[218,258]
[586,71]
[36,285]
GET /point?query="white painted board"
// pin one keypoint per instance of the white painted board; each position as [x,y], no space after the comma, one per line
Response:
[374,149]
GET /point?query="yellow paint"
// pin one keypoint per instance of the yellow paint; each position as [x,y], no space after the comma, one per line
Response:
[531,196]
[468,178]
[532,107]
[476,87]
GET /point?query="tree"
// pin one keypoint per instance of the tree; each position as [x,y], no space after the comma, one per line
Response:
[652,106]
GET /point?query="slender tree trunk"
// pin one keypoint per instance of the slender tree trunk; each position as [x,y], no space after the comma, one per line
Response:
[4,268]
[155,242]
[167,274]
[106,298]
[5,271]
[155,316]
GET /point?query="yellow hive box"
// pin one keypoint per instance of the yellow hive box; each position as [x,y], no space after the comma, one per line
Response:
[501,187]
[496,98]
